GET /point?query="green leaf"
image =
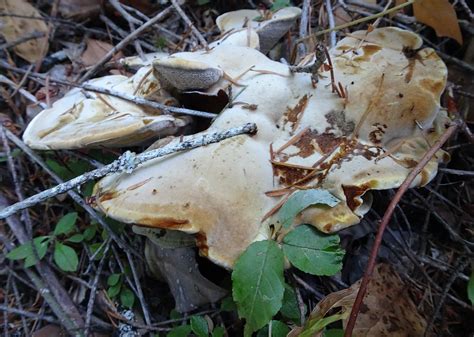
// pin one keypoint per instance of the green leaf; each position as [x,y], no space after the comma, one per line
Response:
[76,238]
[113,279]
[203,2]
[20,252]
[315,326]
[13,154]
[257,284]
[41,244]
[228,304]
[470,288]
[279,4]
[96,246]
[180,331]
[65,257]
[333,333]
[290,308]
[59,169]
[279,329]
[218,331]
[127,297]
[89,233]
[114,290]
[66,224]
[199,326]
[302,199]
[313,252]
[25,251]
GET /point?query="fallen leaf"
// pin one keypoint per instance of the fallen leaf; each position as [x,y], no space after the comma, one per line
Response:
[387,309]
[13,28]
[95,50]
[439,15]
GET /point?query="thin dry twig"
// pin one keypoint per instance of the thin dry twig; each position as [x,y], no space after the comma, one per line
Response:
[386,218]
[122,44]
[461,265]
[358,21]
[89,87]
[332,34]
[188,21]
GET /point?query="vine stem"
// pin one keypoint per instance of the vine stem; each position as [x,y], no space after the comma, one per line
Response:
[386,218]
[127,163]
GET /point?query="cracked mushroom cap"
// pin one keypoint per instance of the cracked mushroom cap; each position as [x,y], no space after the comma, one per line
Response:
[269,31]
[366,135]
[86,119]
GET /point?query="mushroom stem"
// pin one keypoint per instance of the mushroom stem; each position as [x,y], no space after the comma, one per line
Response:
[127,163]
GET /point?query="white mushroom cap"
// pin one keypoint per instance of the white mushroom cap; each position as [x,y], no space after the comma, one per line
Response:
[368,140]
[85,119]
[269,31]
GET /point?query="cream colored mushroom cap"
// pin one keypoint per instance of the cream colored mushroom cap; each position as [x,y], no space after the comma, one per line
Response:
[269,31]
[307,138]
[82,119]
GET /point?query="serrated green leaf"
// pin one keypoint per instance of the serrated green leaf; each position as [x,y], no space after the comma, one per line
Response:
[257,284]
[470,288]
[279,329]
[301,200]
[66,224]
[127,297]
[290,308]
[313,252]
[180,331]
[76,238]
[218,331]
[199,326]
[113,279]
[65,257]
[114,290]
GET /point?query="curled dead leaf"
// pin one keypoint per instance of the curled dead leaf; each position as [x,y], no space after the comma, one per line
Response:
[14,27]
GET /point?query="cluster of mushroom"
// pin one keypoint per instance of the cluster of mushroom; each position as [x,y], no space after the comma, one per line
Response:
[372,115]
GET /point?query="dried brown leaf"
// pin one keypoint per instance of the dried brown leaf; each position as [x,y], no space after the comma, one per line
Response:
[439,15]
[95,50]
[14,28]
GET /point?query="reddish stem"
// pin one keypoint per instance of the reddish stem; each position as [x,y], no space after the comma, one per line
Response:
[386,218]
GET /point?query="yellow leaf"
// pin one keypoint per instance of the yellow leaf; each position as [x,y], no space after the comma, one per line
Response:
[14,28]
[439,15]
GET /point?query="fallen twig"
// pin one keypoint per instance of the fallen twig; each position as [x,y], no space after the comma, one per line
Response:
[123,43]
[386,218]
[196,32]
[126,163]
[356,22]
[131,98]
[332,34]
